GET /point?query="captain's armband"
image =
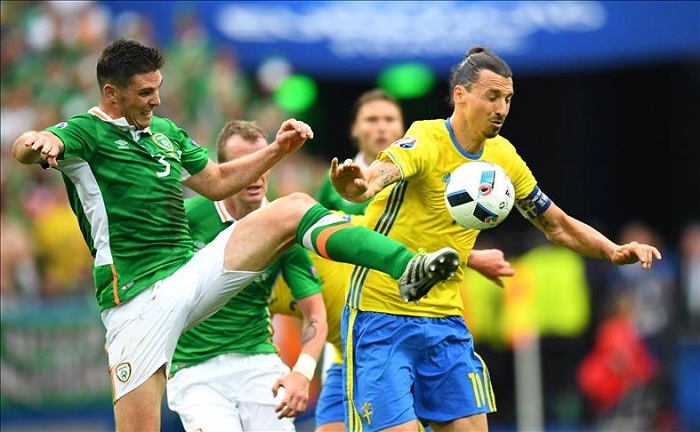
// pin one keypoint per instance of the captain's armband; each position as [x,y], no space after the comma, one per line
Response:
[534,205]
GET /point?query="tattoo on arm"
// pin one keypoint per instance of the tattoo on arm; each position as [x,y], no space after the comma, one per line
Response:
[388,174]
[601,252]
[542,221]
[309,332]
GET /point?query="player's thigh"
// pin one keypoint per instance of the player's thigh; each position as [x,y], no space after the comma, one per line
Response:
[452,381]
[140,408]
[475,423]
[329,409]
[380,352]
[142,334]
[267,232]
[210,285]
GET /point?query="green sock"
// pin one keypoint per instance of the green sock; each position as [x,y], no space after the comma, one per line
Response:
[334,238]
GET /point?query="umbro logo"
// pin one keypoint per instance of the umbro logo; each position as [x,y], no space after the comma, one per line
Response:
[121,144]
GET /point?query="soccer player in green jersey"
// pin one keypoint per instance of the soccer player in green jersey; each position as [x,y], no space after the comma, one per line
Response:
[226,368]
[124,168]
[431,350]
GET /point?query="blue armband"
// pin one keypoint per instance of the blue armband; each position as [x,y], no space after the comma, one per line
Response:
[534,205]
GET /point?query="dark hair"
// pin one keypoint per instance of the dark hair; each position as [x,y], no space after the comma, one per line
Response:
[467,72]
[371,96]
[123,59]
[248,130]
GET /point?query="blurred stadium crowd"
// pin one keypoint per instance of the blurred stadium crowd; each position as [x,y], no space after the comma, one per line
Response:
[49,51]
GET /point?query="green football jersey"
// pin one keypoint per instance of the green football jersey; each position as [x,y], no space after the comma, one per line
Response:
[125,188]
[243,324]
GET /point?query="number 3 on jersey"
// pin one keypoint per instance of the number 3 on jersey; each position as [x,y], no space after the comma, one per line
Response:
[161,159]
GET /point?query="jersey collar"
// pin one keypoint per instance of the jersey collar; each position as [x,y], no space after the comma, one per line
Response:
[121,123]
[457,146]
[225,216]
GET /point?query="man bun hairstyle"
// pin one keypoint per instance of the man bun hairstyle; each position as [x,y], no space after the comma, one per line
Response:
[475,60]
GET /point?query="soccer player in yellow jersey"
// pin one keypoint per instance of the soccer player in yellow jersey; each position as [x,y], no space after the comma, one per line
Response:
[330,412]
[405,360]
[376,122]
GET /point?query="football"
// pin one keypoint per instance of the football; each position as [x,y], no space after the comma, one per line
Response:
[479,195]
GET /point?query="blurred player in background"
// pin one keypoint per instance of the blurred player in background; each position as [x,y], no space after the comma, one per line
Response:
[420,373]
[376,121]
[226,372]
[124,168]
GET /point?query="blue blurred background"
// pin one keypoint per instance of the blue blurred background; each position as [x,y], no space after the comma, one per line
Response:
[606,114]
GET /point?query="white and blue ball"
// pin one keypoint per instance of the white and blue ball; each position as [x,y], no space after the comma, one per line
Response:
[479,195]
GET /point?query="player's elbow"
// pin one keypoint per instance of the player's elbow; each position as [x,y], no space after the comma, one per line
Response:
[23,153]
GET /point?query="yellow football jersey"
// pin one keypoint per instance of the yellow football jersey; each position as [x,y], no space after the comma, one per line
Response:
[413,212]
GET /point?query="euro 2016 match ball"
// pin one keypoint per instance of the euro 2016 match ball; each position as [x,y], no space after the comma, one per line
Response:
[479,195]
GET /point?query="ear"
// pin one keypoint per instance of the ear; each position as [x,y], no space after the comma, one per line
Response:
[111,92]
[458,94]
[353,131]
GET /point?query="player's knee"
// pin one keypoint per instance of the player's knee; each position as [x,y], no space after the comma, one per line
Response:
[296,205]
[289,210]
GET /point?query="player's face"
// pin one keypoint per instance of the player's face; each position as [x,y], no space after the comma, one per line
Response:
[251,196]
[378,124]
[137,101]
[486,106]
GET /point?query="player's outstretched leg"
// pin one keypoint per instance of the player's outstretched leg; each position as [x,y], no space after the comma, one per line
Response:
[334,238]
[425,271]
[261,236]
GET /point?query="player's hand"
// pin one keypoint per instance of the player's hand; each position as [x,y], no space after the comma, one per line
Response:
[47,145]
[632,252]
[296,394]
[292,135]
[491,263]
[349,180]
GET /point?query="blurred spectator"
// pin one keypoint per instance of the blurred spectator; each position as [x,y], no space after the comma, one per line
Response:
[18,272]
[65,261]
[189,59]
[654,295]
[690,273]
[653,291]
[615,375]
[17,114]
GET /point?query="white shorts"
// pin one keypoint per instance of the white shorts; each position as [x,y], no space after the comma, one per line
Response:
[143,332]
[230,392]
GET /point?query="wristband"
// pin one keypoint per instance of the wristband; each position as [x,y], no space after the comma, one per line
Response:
[306,365]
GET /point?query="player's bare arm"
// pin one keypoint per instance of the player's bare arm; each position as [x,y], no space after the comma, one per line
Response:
[491,263]
[218,181]
[313,337]
[37,147]
[358,185]
[585,240]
